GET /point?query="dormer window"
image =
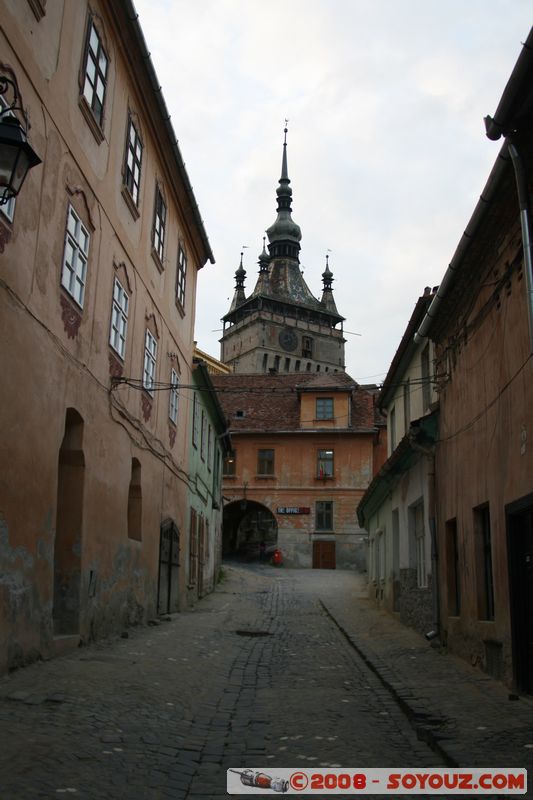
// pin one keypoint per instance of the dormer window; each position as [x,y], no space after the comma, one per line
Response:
[324,408]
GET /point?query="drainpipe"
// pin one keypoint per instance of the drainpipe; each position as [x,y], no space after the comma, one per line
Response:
[525,221]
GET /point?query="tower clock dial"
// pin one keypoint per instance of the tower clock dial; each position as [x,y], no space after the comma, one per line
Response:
[288,339]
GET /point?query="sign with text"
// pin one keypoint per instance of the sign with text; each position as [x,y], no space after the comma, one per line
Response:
[293,510]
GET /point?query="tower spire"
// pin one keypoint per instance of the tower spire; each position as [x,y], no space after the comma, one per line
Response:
[239,297]
[284,235]
[327,294]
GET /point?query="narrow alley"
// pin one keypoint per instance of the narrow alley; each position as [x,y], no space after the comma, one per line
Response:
[261,673]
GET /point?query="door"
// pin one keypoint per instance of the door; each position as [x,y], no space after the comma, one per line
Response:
[169,548]
[520,549]
[324,555]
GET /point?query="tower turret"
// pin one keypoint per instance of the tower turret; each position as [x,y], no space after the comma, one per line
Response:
[239,297]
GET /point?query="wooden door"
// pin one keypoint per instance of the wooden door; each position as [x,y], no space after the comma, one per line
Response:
[324,555]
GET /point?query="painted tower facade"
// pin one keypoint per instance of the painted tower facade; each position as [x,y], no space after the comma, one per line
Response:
[281,327]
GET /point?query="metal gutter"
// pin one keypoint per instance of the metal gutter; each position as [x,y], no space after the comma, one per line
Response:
[165,116]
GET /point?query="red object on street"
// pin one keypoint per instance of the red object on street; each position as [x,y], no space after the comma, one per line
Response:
[277,558]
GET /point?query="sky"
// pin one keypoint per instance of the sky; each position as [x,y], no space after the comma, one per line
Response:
[387,151]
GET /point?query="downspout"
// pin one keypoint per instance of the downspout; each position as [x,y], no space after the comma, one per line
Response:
[525,222]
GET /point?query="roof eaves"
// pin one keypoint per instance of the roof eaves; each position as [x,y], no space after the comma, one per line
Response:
[133,18]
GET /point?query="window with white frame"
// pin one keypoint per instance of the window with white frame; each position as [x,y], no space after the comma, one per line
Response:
[75,255]
[132,163]
[96,65]
[119,319]
[160,221]
[324,464]
[150,357]
[173,402]
[181,276]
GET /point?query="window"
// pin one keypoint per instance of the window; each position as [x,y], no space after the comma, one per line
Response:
[230,463]
[453,573]
[392,429]
[287,364]
[96,64]
[195,420]
[324,408]
[193,549]
[277,359]
[265,462]
[406,405]
[174,397]
[307,347]
[203,440]
[209,446]
[132,162]
[150,356]
[297,366]
[119,319]
[160,221]
[135,502]
[324,515]
[265,362]
[74,271]
[325,464]
[426,384]
[483,548]
[181,277]
[418,542]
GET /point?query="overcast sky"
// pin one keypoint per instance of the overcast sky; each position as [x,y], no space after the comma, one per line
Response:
[386,147]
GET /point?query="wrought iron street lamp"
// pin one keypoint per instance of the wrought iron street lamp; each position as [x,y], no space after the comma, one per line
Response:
[17,157]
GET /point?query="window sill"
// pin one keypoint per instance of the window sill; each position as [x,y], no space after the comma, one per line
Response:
[158,262]
[87,112]
[130,202]
[324,478]
[180,308]
[266,477]
[324,419]
[229,477]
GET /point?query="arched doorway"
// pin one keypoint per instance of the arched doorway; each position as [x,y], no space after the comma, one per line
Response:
[245,525]
[69,524]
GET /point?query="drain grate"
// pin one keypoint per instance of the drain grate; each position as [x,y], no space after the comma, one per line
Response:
[253,633]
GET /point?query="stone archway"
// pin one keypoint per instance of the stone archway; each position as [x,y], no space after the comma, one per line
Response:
[245,525]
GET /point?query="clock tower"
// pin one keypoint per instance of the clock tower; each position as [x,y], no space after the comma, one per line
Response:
[281,327]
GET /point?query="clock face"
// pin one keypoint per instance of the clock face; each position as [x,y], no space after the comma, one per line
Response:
[288,339]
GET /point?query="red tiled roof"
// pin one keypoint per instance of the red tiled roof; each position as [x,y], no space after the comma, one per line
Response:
[271,402]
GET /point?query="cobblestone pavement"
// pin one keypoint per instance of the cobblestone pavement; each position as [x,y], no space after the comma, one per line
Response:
[278,668]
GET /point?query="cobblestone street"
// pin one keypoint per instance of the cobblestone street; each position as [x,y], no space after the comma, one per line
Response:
[260,673]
